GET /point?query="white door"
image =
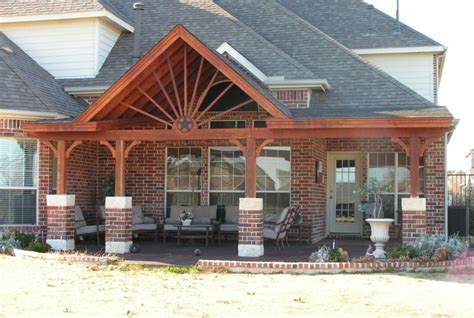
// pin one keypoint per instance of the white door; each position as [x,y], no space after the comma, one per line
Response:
[344,177]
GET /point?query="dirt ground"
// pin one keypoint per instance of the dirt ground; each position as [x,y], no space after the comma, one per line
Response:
[36,288]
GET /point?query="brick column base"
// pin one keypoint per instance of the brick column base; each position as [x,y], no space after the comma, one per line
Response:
[61,222]
[250,227]
[413,219]
[118,225]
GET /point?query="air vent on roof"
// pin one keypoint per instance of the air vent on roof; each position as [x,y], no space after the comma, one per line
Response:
[371,29]
[6,49]
[138,7]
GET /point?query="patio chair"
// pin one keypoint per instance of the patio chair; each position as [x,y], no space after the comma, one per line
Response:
[231,222]
[278,231]
[140,222]
[82,229]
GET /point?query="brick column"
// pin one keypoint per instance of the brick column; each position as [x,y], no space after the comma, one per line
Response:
[61,222]
[413,219]
[250,227]
[118,225]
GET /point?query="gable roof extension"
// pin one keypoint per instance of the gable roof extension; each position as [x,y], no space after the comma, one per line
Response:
[357,88]
[31,10]
[26,86]
[349,21]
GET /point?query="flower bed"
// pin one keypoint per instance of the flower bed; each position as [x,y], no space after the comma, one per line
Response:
[331,268]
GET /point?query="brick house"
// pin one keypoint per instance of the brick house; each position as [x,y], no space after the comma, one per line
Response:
[206,102]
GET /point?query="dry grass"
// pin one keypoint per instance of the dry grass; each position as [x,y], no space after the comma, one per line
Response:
[36,288]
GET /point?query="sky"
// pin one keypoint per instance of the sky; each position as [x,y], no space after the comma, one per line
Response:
[450,22]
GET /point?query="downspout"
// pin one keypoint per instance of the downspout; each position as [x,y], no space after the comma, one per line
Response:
[446,186]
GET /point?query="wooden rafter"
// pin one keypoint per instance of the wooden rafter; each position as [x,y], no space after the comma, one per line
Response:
[185,79]
[154,102]
[234,108]
[144,113]
[404,146]
[196,84]
[264,143]
[51,147]
[175,88]
[163,89]
[204,94]
[109,146]
[211,104]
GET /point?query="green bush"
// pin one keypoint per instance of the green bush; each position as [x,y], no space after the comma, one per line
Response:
[39,247]
[401,251]
[24,239]
[335,255]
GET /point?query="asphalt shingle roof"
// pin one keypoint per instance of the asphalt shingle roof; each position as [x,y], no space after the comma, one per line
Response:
[14,8]
[357,88]
[25,85]
[349,22]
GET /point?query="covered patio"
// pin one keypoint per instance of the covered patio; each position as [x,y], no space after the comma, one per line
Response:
[182,95]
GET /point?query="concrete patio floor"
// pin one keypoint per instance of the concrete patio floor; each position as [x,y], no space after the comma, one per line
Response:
[171,254]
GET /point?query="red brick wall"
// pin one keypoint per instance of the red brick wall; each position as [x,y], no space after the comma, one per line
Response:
[298,98]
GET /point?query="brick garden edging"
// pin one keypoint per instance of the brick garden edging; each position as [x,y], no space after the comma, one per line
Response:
[60,257]
[330,268]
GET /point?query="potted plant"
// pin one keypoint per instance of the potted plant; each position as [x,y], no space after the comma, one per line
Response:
[373,208]
[186,218]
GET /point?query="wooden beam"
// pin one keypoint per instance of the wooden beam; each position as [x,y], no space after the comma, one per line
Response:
[120,168]
[226,134]
[130,147]
[175,88]
[185,79]
[211,104]
[196,84]
[251,164]
[404,146]
[163,89]
[157,105]
[61,177]
[202,123]
[71,148]
[239,144]
[203,95]
[263,145]
[51,147]
[414,167]
[109,146]
[144,113]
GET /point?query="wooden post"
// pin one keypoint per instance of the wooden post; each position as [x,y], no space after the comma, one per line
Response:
[120,168]
[61,168]
[414,167]
[251,190]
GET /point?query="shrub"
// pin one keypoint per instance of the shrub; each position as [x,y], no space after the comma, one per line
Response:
[39,247]
[9,241]
[326,254]
[427,246]
[401,251]
[24,239]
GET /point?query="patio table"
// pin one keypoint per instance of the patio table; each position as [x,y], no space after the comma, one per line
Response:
[194,231]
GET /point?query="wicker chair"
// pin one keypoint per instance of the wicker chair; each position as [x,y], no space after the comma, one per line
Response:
[278,230]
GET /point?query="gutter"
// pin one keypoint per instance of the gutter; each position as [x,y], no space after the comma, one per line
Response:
[446,234]
[320,84]
[85,90]
[25,114]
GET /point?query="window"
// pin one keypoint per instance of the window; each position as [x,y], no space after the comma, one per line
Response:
[274,178]
[259,124]
[228,124]
[393,169]
[18,181]
[227,177]
[183,177]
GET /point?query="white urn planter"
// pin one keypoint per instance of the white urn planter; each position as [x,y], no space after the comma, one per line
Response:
[379,235]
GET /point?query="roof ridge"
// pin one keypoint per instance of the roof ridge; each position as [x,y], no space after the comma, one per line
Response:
[21,76]
[403,25]
[351,53]
[267,42]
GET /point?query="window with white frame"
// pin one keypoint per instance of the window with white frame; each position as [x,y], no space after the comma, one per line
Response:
[18,181]
[274,178]
[227,177]
[215,124]
[393,169]
[183,177]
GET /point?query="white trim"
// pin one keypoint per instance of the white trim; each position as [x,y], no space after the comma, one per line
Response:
[61,245]
[320,84]
[118,247]
[398,50]
[247,250]
[61,200]
[85,90]
[26,114]
[250,204]
[118,203]
[68,16]
[227,48]
[414,204]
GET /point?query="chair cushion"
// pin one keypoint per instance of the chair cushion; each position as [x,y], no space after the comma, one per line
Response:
[229,227]
[269,233]
[201,221]
[232,214]
[148,220]
[89,229]
[102,212]
[177,210]
[137,214]
[170,227]
[80,221]
[200,212]
[144,227]
[272,218]
[172,221]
